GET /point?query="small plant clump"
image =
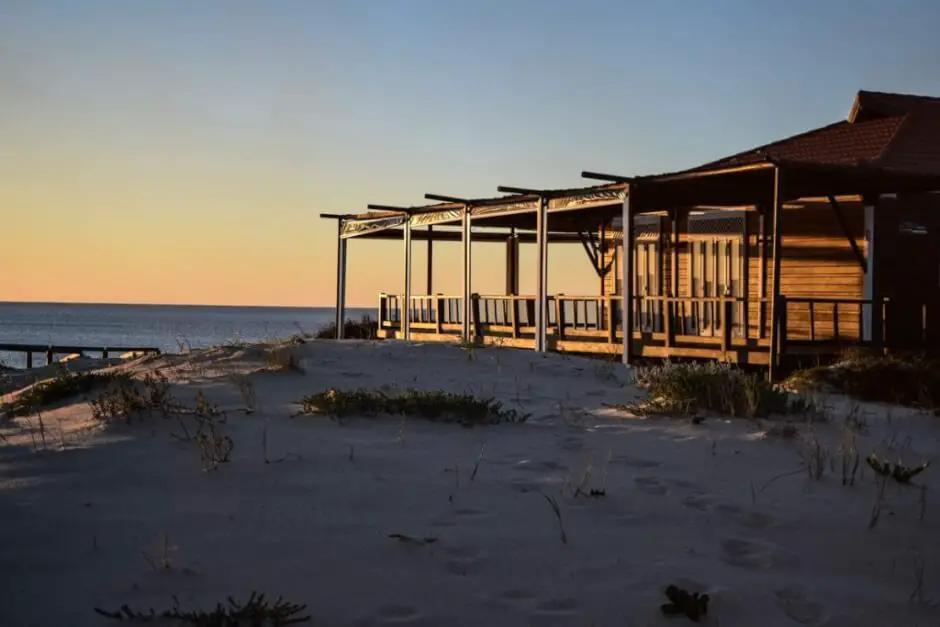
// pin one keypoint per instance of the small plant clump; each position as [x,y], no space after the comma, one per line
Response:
[125,399]
[691,388]
[285,359]
[63,386]
[256,611]
[366,328]
[693,605]
[913,382]
[436,406]
[899,472]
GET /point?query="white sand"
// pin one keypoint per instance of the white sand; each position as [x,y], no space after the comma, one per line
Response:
[684,504]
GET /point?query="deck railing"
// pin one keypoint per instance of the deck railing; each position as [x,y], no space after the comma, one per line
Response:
[734,329]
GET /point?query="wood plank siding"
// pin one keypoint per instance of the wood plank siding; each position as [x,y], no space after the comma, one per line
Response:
[818,261]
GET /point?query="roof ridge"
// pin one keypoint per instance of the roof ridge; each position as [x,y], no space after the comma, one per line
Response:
[886,150]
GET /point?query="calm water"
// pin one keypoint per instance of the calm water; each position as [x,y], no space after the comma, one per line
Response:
[161,326]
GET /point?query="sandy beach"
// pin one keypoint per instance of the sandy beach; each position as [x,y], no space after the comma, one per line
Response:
[105,515]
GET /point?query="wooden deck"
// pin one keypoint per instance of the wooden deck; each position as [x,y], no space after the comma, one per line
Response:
[722,329]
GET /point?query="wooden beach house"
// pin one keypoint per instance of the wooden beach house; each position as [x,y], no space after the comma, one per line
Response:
[804,246]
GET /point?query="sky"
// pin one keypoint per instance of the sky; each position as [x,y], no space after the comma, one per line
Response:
[181,151]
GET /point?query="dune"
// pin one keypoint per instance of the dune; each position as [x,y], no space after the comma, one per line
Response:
[393,520]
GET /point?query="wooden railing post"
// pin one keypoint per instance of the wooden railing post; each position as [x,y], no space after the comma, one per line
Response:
[514,316]
[49,356]
[611,321]
[560,316]
[383,310]
[29,359]
[835,324]
[439,313]
[812,322]
[782,325]
[475,316]
[667,322]
[726,318]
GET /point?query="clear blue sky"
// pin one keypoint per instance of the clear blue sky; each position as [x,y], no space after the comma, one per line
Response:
[219,128]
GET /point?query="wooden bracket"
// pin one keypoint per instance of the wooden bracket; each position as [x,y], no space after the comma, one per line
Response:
[837,209]
[594,252]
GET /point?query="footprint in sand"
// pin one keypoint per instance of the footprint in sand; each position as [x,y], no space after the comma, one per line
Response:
[701,503]
[398,615]
[799,607]
[651,485]
[559,606]
[463,560]
[744,553]
[636,462]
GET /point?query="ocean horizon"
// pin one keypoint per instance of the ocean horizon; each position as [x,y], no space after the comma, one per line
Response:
[168,327]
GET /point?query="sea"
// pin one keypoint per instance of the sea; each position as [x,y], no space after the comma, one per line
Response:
[167,327]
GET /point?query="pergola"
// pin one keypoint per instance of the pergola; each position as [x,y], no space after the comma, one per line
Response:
[564,215]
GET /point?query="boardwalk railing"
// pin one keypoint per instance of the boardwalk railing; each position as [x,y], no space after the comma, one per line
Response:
[52,351]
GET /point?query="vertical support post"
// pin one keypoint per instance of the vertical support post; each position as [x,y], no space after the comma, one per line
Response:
[775,318]
[541,296]
[512,263]
[340,281]
[49,357]
[627,290]
[762,274]
[29,359]
[467,272]
[746,276]
[560,315]
[726,318]
[430,279]
[406,305]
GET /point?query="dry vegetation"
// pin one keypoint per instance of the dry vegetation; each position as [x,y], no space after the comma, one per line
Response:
[436,406]
[694,388]
[913,382]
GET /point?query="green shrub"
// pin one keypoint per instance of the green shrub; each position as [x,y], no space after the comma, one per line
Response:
[914,382]
[690,388]
[366,328]
[436,406]
[63,386]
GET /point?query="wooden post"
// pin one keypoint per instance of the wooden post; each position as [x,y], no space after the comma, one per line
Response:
[467,274]
[514,313]
[775,331]
[541,298]
[783,325]
[406,304]
[667,321]
[812,321]
[439,313]
[726,317]
[49,357]
[762,275]
[383,310]
[512,263]
[104,352]
[627,290]
[430,277]
[611,321]
[835,324]
[560,316]
[340,281]
[477,322]
[746,276]
[29,359]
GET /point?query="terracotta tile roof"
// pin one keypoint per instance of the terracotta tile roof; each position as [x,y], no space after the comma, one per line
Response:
[841,143]
[899,131]
[916,145]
